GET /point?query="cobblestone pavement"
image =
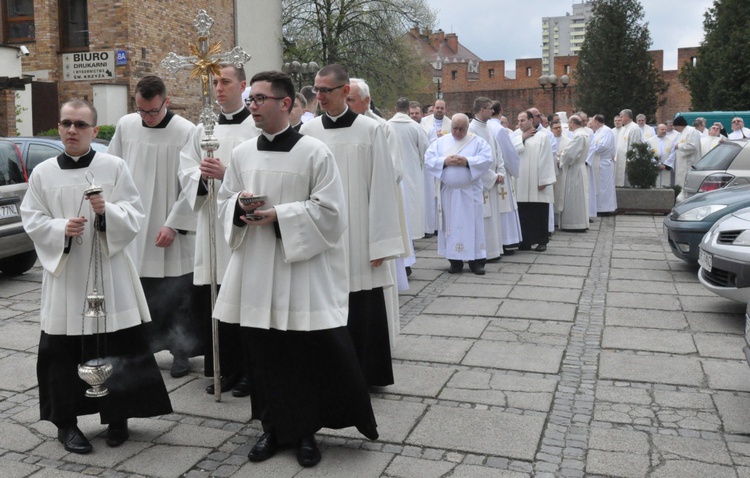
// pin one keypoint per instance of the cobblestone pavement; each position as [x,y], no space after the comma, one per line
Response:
[601,357]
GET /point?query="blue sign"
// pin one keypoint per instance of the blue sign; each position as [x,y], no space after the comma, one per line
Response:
[122,57]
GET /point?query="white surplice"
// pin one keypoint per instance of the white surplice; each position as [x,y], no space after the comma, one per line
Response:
[687,151]
[194,189]
[602,151]
[628,135]
[537,168]
[297,281]
[54,196]
[153,157]
[662,148]
[510,223]
[574,210]
[493,233]
[461,234]
[433,129]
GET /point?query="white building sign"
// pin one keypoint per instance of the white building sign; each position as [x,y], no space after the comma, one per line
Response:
[90,65]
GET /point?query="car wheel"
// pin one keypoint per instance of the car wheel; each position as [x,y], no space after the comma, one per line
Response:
[18,264]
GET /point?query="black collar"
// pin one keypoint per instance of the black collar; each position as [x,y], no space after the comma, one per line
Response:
[237,118]
[344,121]
[297,126]
[66,162]
[282,143]
[163,124]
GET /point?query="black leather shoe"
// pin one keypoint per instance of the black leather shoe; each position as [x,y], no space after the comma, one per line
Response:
[456,266]
[73,440]
[227,384]
[408,271]
[524,247]
[508,252]
[308,454]
[180,366]
[264,448]
[541,248]
[242,389]
[117,433]
[477,267]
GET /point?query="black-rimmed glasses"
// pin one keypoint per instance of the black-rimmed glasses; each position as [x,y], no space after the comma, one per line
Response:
[151,112]
[66,124]
[260,99]
[325,90]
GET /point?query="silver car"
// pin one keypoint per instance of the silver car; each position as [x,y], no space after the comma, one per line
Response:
[728,164]
[724,257]
[16,249]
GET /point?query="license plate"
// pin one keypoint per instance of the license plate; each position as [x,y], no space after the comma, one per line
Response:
[747,330]
[8,211]
[705,260]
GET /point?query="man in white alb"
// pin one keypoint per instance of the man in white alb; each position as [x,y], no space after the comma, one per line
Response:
[574,181]
[435,125]
[627,137]
[661,146]
[601,151]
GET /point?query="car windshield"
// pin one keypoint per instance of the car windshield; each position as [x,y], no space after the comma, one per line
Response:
[10,167]
[719,158]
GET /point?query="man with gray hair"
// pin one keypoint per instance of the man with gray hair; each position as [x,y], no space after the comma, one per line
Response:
[647,132]
[626,137]
[700,125]
[459,160]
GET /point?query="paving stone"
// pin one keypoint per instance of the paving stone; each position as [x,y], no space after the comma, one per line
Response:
[683,400]
[472,471]
[190,435]
[526,309]
[692,469]
[727,376]
[19,335]
[418,380]
[14,469]
[513,356]
[733,413]
[624,441]
[693,290]
[617,464]
[719,323]
[442,326]
[18,373]
[720,346]
[651,340]
[484,432]
[567,282]
[395,420]
[431,349]
[640,286]
[632,263]
[476,290]
[164,460]
[711,304]
[646,275]
[406,467]
[559,270]
[17,438]
[463,306]
[570,296]
[623,395]
[708,451]
[625,317]
[658,369]
[642,301]
[191,398]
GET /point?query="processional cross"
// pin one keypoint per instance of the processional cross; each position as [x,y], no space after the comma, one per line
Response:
[206,61]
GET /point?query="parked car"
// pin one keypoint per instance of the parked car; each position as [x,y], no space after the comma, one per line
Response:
[35,149]
[728,164]
[746,348]
[690,220]
[17,253]
[724,257]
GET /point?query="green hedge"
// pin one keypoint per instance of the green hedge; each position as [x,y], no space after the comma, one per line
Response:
[106,131]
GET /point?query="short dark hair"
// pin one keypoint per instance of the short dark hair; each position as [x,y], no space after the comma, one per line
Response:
[150,87]
[338,72]
[307,92]
[77,104]
[414,104]
[497,108]
[240,72]
[481,102]
[529,115]
[599,118]
[302,99]
[281,84]
[402,105]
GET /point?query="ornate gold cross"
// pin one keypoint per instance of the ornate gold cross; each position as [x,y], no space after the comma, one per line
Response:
[503,193]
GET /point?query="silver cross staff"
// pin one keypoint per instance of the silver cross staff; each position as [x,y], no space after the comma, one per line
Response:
[206,62]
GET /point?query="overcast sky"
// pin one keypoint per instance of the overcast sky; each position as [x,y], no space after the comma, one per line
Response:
[672,24]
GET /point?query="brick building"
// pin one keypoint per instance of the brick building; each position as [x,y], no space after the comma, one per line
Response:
[459,82]
[142,32]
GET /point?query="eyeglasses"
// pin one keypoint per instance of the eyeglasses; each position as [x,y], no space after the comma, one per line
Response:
[66,124]
[325,90]
[260,99]
[737,121]
[151,113]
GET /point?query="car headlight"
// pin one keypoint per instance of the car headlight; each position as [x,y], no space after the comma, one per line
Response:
[700,212]
[743,239]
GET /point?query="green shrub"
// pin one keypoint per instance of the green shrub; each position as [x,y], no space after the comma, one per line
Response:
[49,132]
[106,131]
[641,167]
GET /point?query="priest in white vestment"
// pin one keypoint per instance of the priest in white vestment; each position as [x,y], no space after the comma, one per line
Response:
[287,280]
[712,139]
[602,151]
[494,203]
[535,182]
[234,126]
[629,135]
[150,142]
[574,210]
[661,146]
[510,224]
[687,150]
[562,140]
[61,224]
[460,161]
[647,131]
[738,129]
[435,125]
[374,235]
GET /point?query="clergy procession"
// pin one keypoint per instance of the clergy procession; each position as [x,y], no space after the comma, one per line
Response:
[277,253]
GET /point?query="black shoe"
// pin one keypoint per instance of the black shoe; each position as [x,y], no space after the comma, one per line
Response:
[541,248]
[73,440]
[264,448]
[477,267]
[508,252]
[227,384]
[180,366]
[456,266]
[408,271]
[427,235]
[524,247]
[308,454]
[117,433]
[242,389]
